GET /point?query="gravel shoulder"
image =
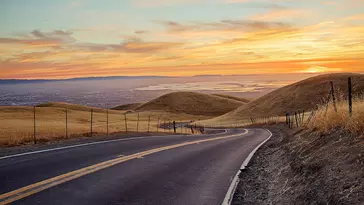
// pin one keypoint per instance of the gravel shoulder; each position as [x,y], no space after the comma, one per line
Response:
[300,167]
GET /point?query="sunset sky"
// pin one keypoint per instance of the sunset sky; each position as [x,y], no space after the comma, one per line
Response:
[66,39]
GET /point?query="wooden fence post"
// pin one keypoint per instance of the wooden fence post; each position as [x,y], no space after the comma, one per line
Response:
[137,127]
[158,125]
[333,95]
[91,122]
[107,121]
[35,132]
[126,123]
[174,126]
[148,122]
[350,96]
[295,115]
[66,123]
[299,116]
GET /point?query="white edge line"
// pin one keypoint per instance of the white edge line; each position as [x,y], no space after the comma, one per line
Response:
[81,145]
[73,146]
[231,191]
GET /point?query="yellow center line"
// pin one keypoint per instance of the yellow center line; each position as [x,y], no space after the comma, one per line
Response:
[23,192]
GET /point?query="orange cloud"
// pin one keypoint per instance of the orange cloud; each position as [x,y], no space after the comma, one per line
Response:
[281,14]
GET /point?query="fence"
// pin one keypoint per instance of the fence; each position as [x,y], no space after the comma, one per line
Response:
[37,124]
[301,118]
[298,118]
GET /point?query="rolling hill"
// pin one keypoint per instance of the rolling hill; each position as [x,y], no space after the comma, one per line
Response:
[304,95]
[244,100]
[191,103]
[131,106]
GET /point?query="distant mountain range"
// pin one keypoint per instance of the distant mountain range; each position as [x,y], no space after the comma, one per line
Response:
[18,81]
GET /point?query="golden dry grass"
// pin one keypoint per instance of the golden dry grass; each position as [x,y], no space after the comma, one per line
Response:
[244,100]
[16,123]
[191,103]
[326,121]
[70,106]
[304,95]
[131,106]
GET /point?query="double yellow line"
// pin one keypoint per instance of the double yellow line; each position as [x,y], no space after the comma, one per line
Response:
[23,192]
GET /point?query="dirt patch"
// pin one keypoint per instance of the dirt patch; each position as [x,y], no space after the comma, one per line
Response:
[297,167]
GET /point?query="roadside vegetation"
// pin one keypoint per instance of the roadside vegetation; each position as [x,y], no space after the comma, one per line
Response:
[328,120]
[17,122]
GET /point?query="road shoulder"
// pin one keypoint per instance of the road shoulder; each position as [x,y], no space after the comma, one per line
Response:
[297,167]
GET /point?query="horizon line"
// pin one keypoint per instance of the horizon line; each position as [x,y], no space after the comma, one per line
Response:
[165,76]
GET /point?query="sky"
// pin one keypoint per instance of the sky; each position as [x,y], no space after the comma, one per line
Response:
[43,39]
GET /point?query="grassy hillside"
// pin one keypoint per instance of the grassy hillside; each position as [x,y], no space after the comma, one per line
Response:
[304,95]
[131,106]
[328,120]
[71,106]
[191,103]
[244,100]
[16,122]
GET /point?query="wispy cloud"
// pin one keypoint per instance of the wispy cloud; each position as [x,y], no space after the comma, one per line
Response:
[37,38]
[258,36]
[281,14]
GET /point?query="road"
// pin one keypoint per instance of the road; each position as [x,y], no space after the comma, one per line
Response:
[161,170]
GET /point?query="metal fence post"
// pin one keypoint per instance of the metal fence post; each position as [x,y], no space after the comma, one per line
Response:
[350,96]
[35,135]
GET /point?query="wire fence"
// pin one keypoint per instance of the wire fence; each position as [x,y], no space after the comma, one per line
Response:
[301,118]
[39,124]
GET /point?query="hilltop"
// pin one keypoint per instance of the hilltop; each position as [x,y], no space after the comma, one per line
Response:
[131,106]
[191,103]
[244,100]
[303,95]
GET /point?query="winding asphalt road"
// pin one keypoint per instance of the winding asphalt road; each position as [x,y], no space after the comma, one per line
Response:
[162,170]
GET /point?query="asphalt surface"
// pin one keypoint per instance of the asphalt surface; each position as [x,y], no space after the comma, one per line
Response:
[192,174]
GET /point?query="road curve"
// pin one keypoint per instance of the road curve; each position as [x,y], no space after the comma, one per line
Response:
[153,170]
